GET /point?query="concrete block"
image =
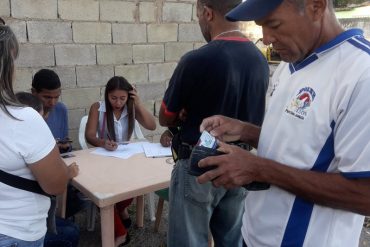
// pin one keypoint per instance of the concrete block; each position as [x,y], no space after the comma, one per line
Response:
[199,45]
[161,72]
[67,76]
[4,8]
[35,56]
[74,117]
[157,106]
[23,80]
[73,135]
[75,54]
[78,98]
[162,32]
[83,10]
[135,74]
[174,51]
[92,32]
[190,32]
[129,33]
[151,91]
[177,12]
[147,12]
[49,32]
[148,53]
[114,54]
[38,9]
[195,17]
[93,76]
[117,11]
[19,29]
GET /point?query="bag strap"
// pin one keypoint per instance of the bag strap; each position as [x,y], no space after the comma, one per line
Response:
[22,183]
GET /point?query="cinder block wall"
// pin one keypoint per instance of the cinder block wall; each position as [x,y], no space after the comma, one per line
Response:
[86,42]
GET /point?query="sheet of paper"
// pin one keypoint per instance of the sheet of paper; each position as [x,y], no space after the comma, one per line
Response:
[123,151]
[156,150]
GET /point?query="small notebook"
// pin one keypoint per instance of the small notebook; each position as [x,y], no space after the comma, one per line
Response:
[156,150]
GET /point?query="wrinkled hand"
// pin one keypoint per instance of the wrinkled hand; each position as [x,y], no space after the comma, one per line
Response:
[235,168]
[73,170]
[223,128]
[166,138]
[110,145]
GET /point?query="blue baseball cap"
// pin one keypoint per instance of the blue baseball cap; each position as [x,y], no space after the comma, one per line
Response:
[251,10]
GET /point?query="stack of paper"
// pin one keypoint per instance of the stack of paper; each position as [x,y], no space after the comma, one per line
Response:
[156,150]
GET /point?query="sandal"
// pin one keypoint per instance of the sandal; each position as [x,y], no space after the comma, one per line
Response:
[128,239]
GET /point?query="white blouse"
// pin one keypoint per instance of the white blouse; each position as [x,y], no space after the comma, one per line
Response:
[120,125]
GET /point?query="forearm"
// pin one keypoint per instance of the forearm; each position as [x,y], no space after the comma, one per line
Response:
[94,141]
[251,134]
[327,189]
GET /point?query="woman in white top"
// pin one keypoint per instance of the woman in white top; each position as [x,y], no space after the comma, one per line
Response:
[28,150]
[112,121]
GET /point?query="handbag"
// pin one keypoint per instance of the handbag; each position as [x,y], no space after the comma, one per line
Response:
[34,187]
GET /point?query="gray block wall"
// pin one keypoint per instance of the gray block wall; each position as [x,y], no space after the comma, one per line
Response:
[87,42]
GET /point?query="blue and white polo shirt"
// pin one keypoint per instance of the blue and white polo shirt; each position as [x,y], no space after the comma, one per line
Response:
[318,119]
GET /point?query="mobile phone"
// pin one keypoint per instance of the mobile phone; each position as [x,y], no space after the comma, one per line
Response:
[64,141]
[67,155]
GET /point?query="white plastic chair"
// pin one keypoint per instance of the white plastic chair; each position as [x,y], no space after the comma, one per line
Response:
[137,135]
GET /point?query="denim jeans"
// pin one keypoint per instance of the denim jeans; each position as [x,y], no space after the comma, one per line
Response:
[6,241]
[195,208]
[67,235]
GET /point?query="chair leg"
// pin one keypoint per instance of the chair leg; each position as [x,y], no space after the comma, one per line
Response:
[151,206]
[158,215]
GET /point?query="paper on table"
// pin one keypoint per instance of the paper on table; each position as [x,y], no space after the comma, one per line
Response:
[156,150]
[122,151]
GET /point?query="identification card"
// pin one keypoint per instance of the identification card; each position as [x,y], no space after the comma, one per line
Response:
[207,140]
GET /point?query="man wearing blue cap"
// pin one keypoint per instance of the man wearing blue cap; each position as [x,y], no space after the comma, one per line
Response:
[314,144]
[227,76]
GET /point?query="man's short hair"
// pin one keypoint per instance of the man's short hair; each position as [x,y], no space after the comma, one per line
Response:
[221,6]
[45,79]
[30,100]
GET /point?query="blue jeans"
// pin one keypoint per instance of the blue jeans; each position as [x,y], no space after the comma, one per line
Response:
[6,241]
[195,208]
[67,236]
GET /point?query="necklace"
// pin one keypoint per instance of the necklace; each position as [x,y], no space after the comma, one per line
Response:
[230,31]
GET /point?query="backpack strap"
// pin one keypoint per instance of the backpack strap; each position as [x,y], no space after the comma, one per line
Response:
[22,183]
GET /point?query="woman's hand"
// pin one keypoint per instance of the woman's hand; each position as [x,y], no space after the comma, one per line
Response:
[110,145]
[134,96]
[73,170]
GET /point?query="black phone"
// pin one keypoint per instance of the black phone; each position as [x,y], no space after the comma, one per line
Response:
[64,141]
[67,155]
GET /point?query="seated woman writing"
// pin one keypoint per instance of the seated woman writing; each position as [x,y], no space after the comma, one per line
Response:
[111,122]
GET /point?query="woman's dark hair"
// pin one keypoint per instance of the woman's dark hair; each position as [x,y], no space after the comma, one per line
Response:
[8,53]
[119,83]
[30,100]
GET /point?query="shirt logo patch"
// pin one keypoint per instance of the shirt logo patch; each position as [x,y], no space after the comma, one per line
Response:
[301,102]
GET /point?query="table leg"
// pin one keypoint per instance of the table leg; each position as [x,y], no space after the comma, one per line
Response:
[107,226]
[61,204]
[140,211]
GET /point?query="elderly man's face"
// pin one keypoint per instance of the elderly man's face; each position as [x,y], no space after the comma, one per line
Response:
[293,33]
